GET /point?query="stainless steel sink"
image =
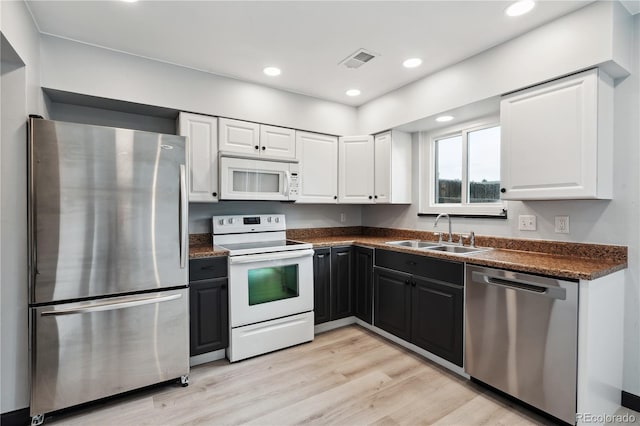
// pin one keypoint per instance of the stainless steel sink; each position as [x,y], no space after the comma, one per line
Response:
[417,244]
[428,245]
[458,249]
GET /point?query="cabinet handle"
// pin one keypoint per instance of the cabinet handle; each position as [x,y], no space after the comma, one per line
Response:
[503,190]
[257,147]
[413,283]
[375,196]
[370,197]
[264,147]
[407,282]
[215,194]
[335,197]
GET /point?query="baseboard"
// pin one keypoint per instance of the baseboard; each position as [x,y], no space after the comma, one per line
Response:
[331,325]
[207,357]
[16,418]
[631,401]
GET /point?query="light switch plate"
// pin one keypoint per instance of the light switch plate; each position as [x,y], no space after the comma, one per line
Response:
[562,224]
[527,222]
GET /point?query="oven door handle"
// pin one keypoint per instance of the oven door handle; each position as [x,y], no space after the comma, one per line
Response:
[262,257]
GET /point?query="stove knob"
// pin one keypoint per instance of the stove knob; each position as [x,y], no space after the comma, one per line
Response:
[269,219]
[221,221]
[277,219]
[230,220]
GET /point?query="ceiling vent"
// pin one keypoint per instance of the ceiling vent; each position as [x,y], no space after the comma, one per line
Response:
[358,58]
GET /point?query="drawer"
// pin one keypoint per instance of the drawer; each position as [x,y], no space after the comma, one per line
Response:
[424,266]
[207,268]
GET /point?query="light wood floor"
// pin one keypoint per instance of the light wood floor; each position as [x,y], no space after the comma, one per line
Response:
[348,376]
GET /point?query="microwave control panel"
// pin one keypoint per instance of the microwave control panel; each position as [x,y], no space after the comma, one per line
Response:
[294,183]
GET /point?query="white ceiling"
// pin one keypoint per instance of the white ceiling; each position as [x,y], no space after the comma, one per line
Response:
[306,39]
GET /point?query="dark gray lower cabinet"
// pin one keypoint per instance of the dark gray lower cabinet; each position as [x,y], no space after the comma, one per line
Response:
[424,310]
[437,318]
[363,283]
[208,305]
[393,302]
[341,282]
[322,285]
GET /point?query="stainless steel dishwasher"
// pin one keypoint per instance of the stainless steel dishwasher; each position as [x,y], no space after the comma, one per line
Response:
[521,336]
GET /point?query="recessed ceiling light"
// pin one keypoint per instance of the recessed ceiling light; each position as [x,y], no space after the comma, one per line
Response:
[520,7]
[412,63]
[352,92]
[129,1]
[272,71]
[444,118]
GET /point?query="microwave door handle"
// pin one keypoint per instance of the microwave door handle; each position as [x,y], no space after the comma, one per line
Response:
[287,182]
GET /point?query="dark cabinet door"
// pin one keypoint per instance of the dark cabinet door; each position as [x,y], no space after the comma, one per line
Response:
[363,283]
[322,285]
[341,282]
[437,318]
[392,311]
[209,323]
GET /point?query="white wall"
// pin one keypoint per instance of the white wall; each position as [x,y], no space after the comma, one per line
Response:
[20,93]
[297,216]
[596,34]
[80,68]
[610,222]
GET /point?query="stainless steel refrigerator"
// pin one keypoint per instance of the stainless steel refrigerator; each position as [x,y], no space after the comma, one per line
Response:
[108,262]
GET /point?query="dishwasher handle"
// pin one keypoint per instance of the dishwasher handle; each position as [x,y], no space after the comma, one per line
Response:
[534,288]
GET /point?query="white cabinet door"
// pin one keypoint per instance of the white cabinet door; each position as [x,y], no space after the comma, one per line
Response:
[239,137]
[277,142]
[202,155]
[382,168]
[318,156]
[392,168]
[355,169]
[553,141]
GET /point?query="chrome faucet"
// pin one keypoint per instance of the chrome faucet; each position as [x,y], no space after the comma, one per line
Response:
[449,219]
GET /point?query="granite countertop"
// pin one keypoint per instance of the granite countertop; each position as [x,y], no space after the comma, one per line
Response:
[556,265]
[201,245]
[558,259]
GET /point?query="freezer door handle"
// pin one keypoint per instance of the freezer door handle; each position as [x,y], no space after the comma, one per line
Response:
[121,303]
[184,220]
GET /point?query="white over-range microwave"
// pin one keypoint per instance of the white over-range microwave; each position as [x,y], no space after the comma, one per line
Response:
[255,179]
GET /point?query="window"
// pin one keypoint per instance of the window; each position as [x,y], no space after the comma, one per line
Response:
[461,171]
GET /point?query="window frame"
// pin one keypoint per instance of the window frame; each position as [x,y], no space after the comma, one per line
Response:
[427,148]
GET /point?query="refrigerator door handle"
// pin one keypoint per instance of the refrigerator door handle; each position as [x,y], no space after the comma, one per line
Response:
[111,306]
[184,220]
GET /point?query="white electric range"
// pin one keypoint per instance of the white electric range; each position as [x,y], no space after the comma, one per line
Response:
[270,284]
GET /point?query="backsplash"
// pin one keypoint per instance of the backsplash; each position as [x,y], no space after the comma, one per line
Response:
[297,215]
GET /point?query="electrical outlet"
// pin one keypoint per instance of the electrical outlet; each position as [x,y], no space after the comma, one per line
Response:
[527,222]
[343,217]
[562,224]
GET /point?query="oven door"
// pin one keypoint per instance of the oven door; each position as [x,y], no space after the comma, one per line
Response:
[247,179]
[270,285]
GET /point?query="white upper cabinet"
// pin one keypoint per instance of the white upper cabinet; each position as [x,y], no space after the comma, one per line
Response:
[240,137]
[277,142]
[392,183]
[201,155]
[257,140]
[355,169]
[318,156]
[557,139]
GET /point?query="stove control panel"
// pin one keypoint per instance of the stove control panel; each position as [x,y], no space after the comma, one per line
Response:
[240,224]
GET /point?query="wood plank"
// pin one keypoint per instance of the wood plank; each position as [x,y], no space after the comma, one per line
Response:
[345,376]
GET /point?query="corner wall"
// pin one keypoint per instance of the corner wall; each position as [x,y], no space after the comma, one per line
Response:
[21,95]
